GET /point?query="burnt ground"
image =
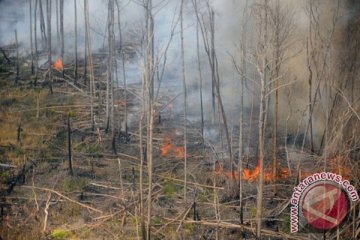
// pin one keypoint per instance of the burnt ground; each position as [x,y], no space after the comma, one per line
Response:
[101,200]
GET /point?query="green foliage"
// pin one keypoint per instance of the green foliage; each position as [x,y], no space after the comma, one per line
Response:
[157,221]
[169,189]
[285,225]
[74,184]
[5,177]
[18,151]
[94,149]
[253,211]
[60,234]
[189,227]
[206,195]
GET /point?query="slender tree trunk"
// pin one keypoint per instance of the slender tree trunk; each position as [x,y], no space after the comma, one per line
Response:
[109,64]
[31,38]
[88,50]
[57,25]
[48,13]
[62,32]
[42,22]
[76,46]
[36,43]
[69,146]
[122,51]
[142,157]
[262,119]
[17,59]
[185,95]
[201,81]
[149,77]
[241,127]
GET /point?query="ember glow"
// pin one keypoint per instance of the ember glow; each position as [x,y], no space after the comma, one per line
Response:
[58,65]
[169,149]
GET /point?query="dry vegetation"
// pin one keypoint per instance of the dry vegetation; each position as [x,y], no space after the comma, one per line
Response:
[84,155]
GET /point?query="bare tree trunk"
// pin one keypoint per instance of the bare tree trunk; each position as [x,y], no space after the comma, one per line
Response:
[200,80]
[109,65]
[76,46]
[57,25]
[149,78]
[241,127]
[185,95]
[31,38]
[122,51]
[88,51]
[48,13]
[142,157]
[17,59]
[69,145]
[62,32]
[36,42]
[42,22]
[262,116]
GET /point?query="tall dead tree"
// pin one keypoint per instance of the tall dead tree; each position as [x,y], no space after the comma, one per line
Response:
[149,100]
[262,66]
[89,52]
[48,14]
[69,145]
[185,94]
[75,43]
[110,70]
[36,41]
[31,38]
[62,33]
[42,22]
[208,36]
[17,59]
[122,52]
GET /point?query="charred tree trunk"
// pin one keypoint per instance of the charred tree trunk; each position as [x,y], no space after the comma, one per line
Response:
[62,32]
[69,145]
[109,82]
[31,39]
[76,46]
[48,13]
[36,42]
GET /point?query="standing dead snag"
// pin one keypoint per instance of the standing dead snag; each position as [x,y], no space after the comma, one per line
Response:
[31,38]
[17,59]
[75,43]
[62,32]
[69,145]
[185,95]
[48,14]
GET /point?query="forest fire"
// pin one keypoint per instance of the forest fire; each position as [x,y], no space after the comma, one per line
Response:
[58,65]
[169,149]
[251,175]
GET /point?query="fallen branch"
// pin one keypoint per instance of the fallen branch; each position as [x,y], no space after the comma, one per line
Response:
[65,197]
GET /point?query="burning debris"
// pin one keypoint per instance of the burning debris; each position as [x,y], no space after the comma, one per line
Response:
[169,149]
[58,65]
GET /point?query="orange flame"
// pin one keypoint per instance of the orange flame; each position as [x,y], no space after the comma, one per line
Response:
[251,175]
[170,149]
[338,164]
[58,65]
